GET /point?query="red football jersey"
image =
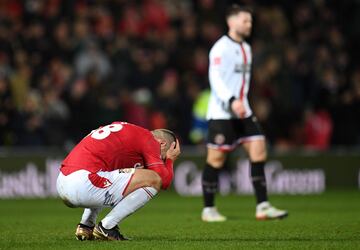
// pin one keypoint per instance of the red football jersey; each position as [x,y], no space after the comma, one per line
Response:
[115,146]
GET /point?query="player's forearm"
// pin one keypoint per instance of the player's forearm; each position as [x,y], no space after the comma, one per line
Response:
[165,172]
[169,175]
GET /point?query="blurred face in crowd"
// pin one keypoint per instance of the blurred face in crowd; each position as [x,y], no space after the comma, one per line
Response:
[240,24]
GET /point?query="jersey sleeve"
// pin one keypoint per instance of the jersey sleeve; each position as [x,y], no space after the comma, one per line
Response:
[152,160]
[165,172]
[218,65]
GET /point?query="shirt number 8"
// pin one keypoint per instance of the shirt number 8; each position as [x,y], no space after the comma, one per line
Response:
[102,133]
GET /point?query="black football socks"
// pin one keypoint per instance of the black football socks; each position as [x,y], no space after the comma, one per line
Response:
[210,179]
[258,180]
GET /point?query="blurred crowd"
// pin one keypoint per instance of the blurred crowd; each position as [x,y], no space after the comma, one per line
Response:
[67,67]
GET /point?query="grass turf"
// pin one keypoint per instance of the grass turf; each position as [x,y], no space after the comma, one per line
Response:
[328,221]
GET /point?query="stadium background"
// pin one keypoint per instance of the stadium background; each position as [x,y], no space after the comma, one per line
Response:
[67,67]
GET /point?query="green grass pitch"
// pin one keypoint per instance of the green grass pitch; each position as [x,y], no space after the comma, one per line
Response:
[327,221]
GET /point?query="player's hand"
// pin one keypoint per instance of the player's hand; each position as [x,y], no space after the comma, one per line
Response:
[174,151]
[238,108]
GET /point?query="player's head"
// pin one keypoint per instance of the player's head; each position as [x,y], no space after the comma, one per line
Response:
[165,137]
[239,20]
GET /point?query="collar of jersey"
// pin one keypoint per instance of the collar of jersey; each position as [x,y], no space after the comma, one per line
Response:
[233,39]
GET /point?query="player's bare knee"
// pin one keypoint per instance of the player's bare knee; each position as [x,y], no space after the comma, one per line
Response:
[263,152]
[150,178]
[144,178]
[260,154]
[216,162]
[216,158]
[261,157]
[155,181]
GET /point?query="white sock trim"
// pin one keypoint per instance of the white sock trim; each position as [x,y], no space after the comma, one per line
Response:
[150,191]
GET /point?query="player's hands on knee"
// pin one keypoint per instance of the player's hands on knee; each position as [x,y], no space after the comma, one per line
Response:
[238,108]
[174,151]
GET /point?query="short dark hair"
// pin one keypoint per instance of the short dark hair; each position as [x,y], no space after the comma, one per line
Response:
[235,9]
[165,134]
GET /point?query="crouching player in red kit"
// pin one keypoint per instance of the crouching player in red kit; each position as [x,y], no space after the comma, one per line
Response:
[122,166]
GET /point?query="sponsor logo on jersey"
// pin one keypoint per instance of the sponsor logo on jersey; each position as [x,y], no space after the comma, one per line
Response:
[127,170]
[241,68]
[217,60]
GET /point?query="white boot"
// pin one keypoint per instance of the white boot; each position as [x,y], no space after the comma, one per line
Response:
[265,211]
[211,214]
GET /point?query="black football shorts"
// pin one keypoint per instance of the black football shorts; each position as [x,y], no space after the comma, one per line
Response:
[226,135]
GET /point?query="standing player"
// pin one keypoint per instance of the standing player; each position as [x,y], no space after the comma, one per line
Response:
[121,166]
[231,121]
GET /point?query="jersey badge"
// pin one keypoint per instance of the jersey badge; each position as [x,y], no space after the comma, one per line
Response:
[217,60]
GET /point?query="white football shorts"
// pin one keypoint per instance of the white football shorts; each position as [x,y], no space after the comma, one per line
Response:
[89,190]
